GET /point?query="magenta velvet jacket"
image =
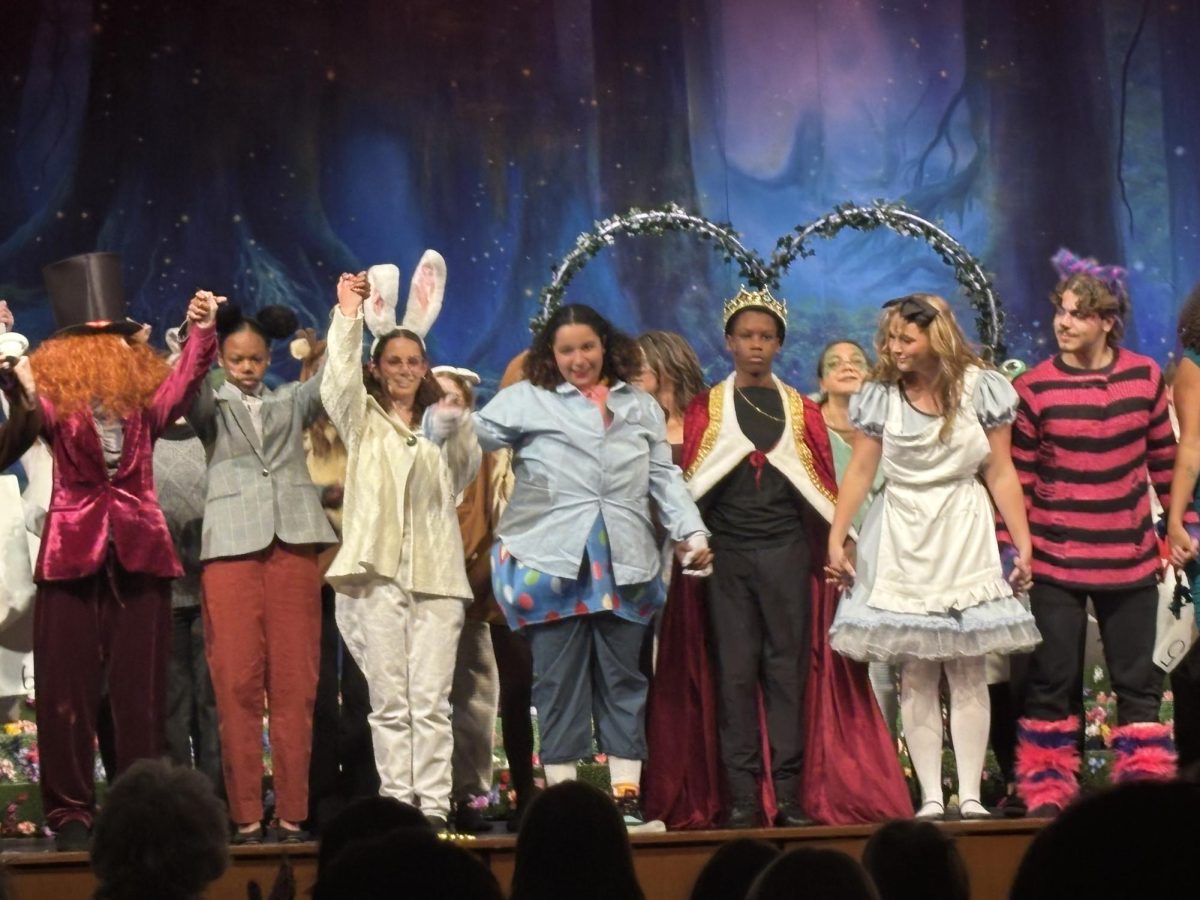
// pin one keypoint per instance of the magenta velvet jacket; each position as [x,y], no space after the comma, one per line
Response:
[86,505]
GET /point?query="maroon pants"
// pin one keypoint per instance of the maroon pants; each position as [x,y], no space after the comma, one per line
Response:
[110,629]
[262,631]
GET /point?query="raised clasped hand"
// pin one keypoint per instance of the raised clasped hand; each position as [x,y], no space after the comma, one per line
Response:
[352,290]
[202,310]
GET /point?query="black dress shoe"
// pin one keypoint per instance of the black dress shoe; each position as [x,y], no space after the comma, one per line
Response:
[743,815]
[73,836]
[790,815]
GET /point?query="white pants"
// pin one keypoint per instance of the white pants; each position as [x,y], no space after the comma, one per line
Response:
[406,647]
[473,702]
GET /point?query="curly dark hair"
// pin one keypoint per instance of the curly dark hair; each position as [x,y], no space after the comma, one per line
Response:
[429,391]
[622,358]
[161,833]
[1189,321]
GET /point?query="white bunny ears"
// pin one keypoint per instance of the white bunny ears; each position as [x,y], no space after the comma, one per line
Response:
[425,294]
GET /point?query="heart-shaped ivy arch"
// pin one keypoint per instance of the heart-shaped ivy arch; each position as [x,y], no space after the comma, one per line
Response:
[975,281]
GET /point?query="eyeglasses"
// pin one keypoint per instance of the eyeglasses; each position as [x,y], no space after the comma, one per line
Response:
[832,363]
[913,309]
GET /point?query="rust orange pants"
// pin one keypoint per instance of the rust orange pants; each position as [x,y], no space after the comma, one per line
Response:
[262,627]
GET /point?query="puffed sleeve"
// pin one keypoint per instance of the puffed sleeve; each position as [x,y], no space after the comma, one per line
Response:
[995,399]
[868,408]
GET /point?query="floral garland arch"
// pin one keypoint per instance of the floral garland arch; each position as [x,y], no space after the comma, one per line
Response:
[656,222]
[968,272]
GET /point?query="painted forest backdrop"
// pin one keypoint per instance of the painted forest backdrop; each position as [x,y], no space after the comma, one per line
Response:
[259,149]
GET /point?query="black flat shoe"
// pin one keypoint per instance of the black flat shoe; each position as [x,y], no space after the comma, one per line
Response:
[247,838]
[292,835]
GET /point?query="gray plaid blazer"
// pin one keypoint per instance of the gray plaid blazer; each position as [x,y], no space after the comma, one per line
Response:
[258,491]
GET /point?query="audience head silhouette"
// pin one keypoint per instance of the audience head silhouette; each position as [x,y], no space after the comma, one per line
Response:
[410,863]
[730,871]
[1131,841]
[805,873]
[910,860]
[162,833]
[573,843]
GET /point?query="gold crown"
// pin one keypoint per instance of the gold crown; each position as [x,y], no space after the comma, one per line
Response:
[761,299]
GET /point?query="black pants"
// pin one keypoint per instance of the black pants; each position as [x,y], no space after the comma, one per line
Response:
[759,610]
[514,665]
[342,767]
[1185,685]
[192,735]
[1127,621]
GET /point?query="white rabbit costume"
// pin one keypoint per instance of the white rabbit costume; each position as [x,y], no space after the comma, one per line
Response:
[399,575]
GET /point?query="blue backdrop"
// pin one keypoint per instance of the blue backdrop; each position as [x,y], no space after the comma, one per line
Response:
[261,149]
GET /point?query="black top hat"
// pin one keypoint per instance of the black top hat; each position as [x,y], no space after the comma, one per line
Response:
[86,296]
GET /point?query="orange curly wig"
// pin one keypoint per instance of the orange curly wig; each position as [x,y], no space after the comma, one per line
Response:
[97,370]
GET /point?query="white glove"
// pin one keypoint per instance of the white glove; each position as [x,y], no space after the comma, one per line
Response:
[444,420]
[695,543]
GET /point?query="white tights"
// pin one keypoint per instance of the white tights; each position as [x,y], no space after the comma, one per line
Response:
[921,715]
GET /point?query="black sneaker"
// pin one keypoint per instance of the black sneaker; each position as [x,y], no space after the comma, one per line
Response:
[630,806]
[437,823]
[72,837]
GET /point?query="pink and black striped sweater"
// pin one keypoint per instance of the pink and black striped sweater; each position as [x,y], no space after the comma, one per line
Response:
[1086,443]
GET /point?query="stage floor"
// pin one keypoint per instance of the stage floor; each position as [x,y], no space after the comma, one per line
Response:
[667,864]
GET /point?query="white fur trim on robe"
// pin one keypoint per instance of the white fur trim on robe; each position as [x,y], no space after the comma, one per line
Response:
[732,446]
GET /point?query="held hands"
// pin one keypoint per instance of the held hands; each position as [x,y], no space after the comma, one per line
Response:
[694,555]
[840,568]
[1184,547]
[1021,576]
[352,290]
[202,310]
[6,317]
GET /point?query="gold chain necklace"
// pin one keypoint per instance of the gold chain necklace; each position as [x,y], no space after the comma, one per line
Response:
[761,412]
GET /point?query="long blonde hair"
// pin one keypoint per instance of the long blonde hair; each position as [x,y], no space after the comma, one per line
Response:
[946,340]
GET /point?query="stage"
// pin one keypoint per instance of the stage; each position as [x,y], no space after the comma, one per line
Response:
[667,864]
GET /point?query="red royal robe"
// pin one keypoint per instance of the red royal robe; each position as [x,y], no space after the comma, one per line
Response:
[851,771]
